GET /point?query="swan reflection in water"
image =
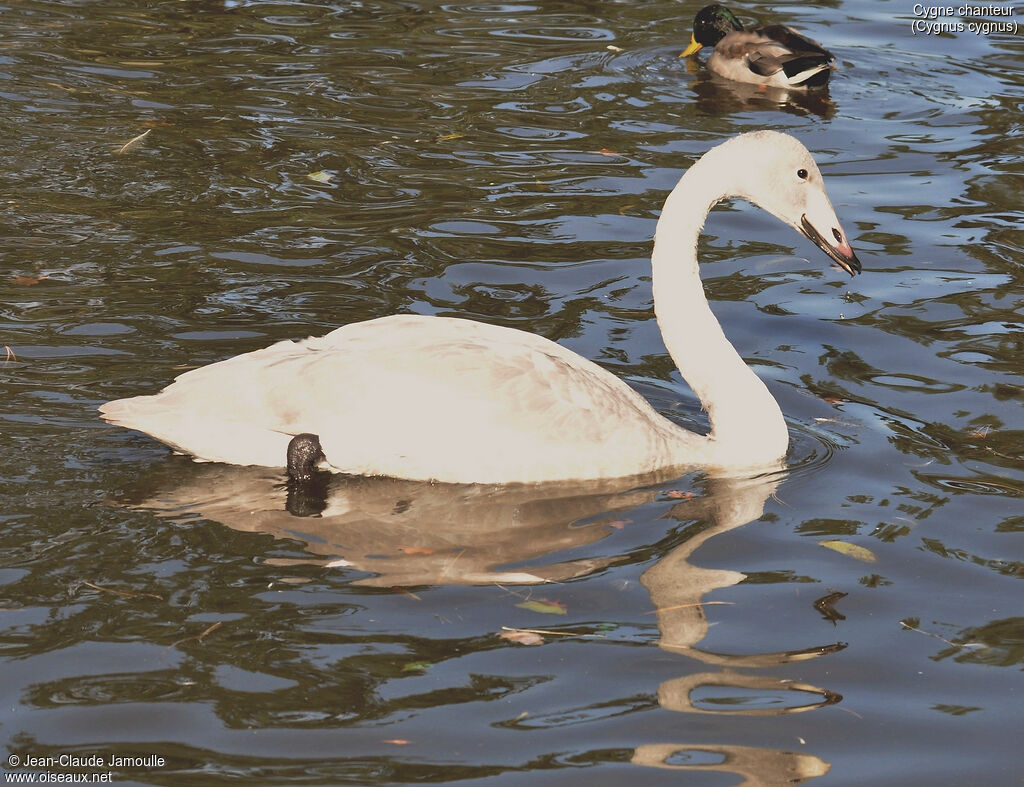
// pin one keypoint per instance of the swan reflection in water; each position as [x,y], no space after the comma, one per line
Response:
[409,533]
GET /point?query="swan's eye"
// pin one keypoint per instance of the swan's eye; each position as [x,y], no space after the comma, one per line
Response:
[802,174]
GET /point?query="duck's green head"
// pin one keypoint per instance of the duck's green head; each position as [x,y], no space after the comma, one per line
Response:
[711,25]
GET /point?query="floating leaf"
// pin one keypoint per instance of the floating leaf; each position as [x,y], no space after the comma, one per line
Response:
[550,633]
[26,281]
[678,494]
[123,593]
[321,176]
[133,143]
[522,637]
[416,666]
[197,637]
[397,741]
[544,606]
[449,137]
[416,550]
[613,48]
[606,152]
[850,550]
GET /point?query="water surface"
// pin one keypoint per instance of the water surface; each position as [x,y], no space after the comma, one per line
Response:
[856,621]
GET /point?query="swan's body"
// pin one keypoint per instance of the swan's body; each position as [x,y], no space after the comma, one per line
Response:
[774,55]
[460,401]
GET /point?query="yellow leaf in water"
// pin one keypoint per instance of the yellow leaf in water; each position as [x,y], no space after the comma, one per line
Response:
[321,176]
[544,606]
[416,550]
[850,550]
[26,281]
[449,137]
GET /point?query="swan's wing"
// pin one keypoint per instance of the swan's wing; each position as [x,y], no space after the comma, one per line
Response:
[415,397]
[460,400]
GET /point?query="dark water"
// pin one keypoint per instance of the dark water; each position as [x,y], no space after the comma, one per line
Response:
[858,620]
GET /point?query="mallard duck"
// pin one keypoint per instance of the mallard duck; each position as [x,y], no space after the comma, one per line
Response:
[773,55]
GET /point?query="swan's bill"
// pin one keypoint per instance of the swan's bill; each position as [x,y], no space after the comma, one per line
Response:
[840,251]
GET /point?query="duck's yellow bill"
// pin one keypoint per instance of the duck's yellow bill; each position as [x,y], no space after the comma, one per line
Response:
[693,47]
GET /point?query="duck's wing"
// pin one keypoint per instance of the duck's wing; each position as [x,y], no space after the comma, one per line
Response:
[793,41]
[758,55]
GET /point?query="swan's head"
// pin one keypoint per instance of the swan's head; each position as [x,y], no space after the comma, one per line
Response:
[776,172]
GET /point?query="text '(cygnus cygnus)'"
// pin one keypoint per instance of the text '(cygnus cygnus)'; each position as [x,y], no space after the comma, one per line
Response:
[464,402]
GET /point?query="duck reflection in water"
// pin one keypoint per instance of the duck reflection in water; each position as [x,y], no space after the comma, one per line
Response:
[412,533]
[720,97]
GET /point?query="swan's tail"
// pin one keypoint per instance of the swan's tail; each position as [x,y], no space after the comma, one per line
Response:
[119,411]
[203,437]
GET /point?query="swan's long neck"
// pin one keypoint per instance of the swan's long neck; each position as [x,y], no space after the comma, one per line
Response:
[746,423]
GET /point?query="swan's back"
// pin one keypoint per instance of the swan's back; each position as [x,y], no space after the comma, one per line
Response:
[414,397]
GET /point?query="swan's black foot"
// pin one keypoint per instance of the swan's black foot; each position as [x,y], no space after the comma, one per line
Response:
[307,486]
[304,453]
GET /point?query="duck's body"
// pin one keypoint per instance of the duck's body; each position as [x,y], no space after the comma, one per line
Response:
[459,401]
[773,55]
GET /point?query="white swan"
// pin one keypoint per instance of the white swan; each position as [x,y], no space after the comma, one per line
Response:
[437,398]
